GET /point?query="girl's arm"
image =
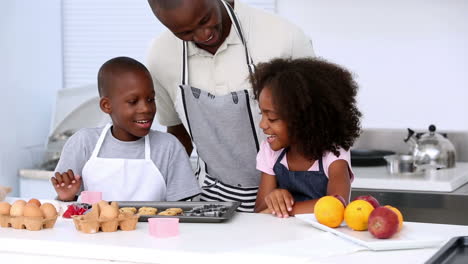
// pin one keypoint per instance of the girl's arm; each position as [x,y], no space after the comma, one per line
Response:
[267,184]
[338,183]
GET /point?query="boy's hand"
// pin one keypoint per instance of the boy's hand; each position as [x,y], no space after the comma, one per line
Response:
[280,202]
[66,185]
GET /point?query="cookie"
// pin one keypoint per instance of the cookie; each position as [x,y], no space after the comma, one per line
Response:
[171,213]
[147,211]
[176,210]
[132,210]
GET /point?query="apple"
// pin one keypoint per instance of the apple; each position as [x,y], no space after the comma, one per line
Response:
[369,198]
[342,200]
[383,222]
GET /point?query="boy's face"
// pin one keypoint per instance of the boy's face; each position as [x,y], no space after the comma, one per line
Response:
[272,125]
[131,105]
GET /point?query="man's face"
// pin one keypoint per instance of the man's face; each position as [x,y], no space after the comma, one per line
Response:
[132,106]
[199,21]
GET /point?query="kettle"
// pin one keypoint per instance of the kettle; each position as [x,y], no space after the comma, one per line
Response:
[431,150]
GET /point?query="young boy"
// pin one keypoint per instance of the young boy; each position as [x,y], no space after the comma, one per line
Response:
[125,160]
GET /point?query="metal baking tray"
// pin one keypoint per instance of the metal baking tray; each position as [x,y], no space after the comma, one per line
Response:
[221,211]
[455,251]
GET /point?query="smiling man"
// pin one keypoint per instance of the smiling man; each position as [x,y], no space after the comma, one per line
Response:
[200,69]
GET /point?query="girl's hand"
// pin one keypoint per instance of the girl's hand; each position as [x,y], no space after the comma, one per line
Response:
[66,185]
[280,202]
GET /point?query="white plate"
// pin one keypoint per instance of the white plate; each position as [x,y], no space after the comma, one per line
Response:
[411,235]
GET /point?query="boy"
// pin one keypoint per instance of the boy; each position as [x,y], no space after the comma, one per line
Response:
[125,160]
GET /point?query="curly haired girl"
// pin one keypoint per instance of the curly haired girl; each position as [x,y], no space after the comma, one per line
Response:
[311,120]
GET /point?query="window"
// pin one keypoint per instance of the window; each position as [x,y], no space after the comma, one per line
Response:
[95,31]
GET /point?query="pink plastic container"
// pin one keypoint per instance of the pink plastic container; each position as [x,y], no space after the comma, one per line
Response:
[91,197]
[163,227]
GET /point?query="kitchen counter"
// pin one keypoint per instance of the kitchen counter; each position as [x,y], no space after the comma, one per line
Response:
[417,204]
[252,237]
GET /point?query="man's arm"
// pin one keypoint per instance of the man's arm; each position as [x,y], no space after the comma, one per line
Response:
[183,136]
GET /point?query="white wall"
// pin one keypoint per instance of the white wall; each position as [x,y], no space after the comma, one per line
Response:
[30,74]
[410,57]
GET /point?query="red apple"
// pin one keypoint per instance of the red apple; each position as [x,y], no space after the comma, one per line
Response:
[383,222]
[369,198]
[342,200]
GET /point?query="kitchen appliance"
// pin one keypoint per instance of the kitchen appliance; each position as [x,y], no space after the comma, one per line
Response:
[431,150]
[401,164]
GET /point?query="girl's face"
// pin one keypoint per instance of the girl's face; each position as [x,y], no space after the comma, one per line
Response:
[132,106]
[271,123]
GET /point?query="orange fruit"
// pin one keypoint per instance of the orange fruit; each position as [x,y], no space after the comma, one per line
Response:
[399,214]
[329,211]
[357,214]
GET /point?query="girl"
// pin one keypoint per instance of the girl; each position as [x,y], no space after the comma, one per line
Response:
[310,118]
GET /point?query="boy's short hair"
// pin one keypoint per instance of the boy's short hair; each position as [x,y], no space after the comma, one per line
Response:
[114,67]
[316,98]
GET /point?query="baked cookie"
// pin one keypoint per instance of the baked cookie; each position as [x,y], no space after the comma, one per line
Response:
[171,213]
[147,211]
[176,210]
[132,210]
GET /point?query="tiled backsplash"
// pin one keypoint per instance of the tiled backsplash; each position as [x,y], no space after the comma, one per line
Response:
[392,139]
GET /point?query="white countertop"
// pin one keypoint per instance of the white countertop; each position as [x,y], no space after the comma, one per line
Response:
[245,237]
[444,180]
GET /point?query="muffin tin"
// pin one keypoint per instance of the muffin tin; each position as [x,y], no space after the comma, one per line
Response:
[193,212]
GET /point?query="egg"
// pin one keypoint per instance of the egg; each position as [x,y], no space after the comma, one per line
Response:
[109,212]
[17,208]
[5,208]
[35,201]
[48,210]
[32,210]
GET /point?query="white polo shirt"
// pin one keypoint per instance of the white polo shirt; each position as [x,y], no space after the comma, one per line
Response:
[268,36]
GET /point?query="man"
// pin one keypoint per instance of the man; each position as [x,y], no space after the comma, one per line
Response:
[201,74]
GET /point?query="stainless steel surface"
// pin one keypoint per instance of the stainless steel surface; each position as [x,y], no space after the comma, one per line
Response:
[431,150]
[390,139]
[401,164]
[428,207]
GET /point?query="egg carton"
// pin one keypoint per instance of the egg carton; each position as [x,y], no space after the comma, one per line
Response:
[91,226]
[29,223]
[91,222]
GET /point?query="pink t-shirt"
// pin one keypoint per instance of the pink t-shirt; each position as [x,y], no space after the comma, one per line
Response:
[266,159]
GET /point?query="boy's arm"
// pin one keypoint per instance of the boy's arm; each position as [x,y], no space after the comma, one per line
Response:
[72,158]
[181,181]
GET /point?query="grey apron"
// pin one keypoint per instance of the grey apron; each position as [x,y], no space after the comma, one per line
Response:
[224,132]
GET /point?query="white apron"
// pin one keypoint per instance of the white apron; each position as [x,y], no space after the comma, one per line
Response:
[124,179]
[224,131]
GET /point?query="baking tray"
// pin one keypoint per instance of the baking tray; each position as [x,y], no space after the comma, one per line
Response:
[455,251]
[229,210]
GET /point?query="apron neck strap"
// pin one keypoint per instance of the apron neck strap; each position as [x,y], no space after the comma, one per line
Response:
[100,140]
[103,135]
[147,148]
[237,26]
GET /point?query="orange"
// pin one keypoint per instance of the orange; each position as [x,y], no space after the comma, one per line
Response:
[329,211]
[399,214]
[357,213]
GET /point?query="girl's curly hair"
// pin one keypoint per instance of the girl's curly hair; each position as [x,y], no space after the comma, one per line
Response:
[317,100]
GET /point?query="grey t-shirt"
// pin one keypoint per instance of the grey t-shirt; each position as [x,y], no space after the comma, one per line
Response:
[167,153]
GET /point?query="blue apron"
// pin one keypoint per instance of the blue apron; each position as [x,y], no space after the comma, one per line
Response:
[303,185]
